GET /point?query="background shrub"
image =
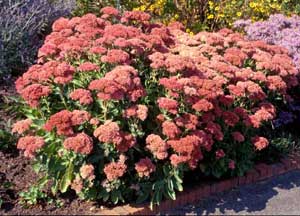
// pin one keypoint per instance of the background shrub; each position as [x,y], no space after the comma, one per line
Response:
[198,14]
[278,29]
[119,108]
[23,25]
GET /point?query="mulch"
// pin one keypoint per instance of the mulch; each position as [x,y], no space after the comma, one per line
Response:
[16,175]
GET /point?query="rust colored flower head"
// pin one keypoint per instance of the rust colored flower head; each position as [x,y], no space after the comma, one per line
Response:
[157,146]
[170,129]
[88,66]
[116,56]
[238,136]
[168,104]
[77,184]
[144,167]
[21,126]
[109,11]
[142,112]
[231,165]
[80,143]
[114,170]
[203,105]
[87,172]
[79,117]
[230,118]
[94,121]
[220,154]
[30,144]
[84,96]
[188,147]
[62,122]
[260,143]
[128,141]
[109,132]
[33,93]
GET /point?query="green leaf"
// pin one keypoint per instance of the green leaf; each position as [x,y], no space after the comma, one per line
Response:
[67,178]
[43,181]
[177,185]
[142,197]
[178,179]
[114,197]
[54,187]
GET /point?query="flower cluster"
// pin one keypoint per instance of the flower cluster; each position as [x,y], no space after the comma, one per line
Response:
[30,144]
[22,126]
[80,143]
[121,100]
[64,121]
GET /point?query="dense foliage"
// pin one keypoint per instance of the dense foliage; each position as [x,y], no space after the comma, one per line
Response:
[119,107]
[23,24]
[198,14]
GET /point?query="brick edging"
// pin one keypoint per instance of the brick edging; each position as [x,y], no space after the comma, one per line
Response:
[260,172]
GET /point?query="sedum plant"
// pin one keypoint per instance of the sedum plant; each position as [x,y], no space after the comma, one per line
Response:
[119,108]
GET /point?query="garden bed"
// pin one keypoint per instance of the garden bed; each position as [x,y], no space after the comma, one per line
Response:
[120,109]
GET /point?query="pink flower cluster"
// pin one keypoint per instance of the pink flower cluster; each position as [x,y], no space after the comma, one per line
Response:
[110,132]
[80,143]
[144,167]
[84,96]
[64,121]
[30,144]
[115,170]
[21,126]
[122,82]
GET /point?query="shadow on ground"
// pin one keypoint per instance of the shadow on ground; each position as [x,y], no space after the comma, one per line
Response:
[278,195]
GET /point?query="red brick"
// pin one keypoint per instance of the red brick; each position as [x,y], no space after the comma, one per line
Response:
[120,210]
[294,163]
[278,169]
[224,185]
[185,198]
[132,209]
[162,207]
[213,188]
[192,195]
[206,191]
[234,182]
[252,176]
[145,211]
[198,193]
[108,212]
[264,171]
[179,200]
[296,159]
[242,180]
[286,163]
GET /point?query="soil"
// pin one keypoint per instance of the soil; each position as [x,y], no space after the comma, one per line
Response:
[16,175]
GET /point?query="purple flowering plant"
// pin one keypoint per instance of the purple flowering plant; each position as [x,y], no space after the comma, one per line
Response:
[278,30]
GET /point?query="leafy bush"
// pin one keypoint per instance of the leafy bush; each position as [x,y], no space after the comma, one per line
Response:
[198,14]
[23,24]
[119,107]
